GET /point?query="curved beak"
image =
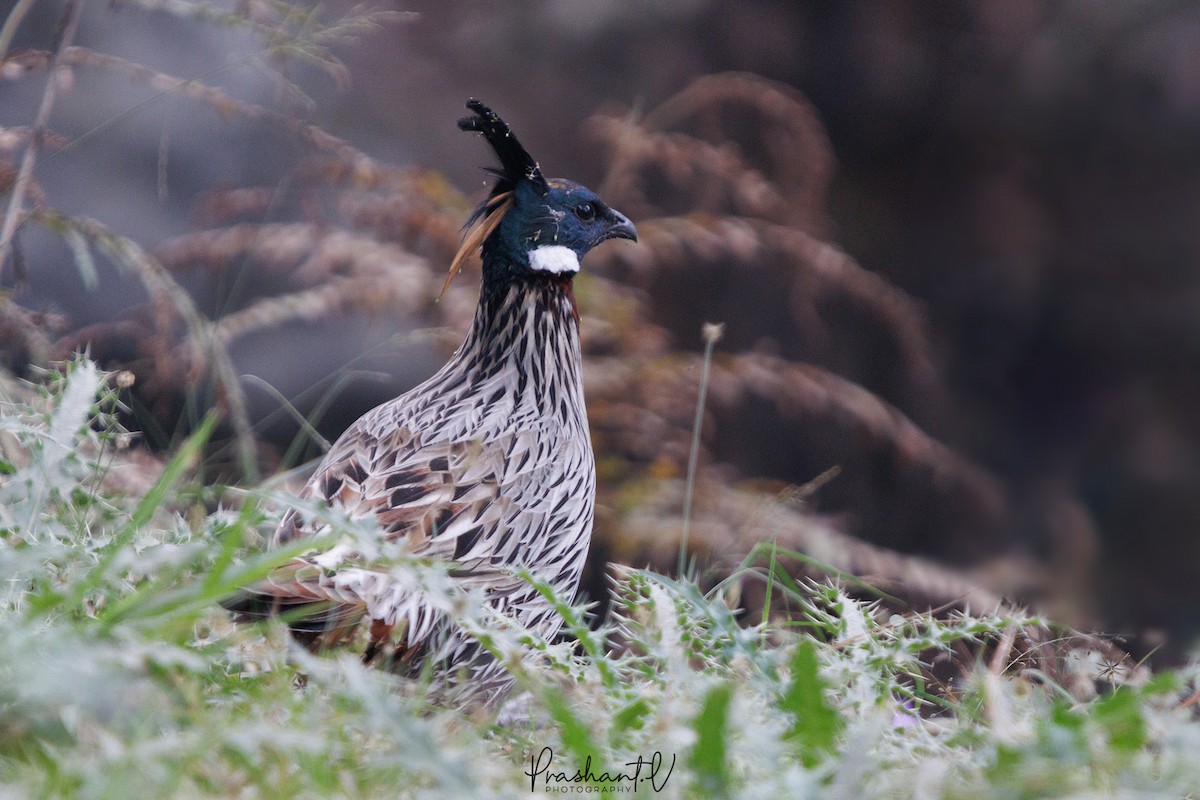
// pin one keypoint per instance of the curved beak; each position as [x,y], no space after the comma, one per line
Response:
[620,227]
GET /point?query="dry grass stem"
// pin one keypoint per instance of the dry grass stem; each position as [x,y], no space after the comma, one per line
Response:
[14,213]
[11,22]
[712,334]
[202,345]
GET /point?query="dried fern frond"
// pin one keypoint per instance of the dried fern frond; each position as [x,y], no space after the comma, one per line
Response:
[715,178]
[774,162]
[789,266]
[168,298]
[729,523]
[793,137]
[374,293]
[14,138]
[307,253]
[274,247]
[224,205]
[288,30]
[414,208]
[226,106]
[806,389]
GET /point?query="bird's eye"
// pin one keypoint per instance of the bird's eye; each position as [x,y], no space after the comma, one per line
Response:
[585,211]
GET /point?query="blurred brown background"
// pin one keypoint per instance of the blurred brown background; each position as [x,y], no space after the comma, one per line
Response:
[954,245]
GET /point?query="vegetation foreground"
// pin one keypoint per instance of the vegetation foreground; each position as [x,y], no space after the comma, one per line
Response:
[120,676]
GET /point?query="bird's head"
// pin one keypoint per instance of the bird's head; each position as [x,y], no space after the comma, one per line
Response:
[531,225]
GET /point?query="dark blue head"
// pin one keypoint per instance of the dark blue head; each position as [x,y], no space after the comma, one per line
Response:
[551,232]
[531,225]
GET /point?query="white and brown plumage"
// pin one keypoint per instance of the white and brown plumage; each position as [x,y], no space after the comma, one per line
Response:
[487,464]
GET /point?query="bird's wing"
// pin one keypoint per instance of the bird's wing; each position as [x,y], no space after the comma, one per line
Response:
[450,500]
[430,493]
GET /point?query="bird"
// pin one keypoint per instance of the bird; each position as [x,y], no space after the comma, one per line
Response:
[488,464]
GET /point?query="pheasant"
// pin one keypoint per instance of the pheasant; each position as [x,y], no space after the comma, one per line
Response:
[487,464]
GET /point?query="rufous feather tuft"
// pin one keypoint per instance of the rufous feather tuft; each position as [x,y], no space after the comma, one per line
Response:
[495,209]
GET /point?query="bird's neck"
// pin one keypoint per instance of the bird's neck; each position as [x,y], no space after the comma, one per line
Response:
[526,336]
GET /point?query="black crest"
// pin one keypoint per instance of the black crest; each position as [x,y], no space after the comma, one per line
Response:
[516,163]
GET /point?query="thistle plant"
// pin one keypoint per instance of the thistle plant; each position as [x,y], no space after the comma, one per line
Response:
[122,677]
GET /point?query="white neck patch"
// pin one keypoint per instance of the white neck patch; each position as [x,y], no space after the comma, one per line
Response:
[553,258]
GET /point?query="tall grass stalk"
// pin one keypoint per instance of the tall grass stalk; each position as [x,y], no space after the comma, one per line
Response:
[712,334]
[16,201]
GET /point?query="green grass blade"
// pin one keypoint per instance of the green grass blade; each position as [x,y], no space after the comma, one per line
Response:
[708,760]
[180,463]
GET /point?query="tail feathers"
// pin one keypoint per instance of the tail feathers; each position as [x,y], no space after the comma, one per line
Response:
[315,617]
